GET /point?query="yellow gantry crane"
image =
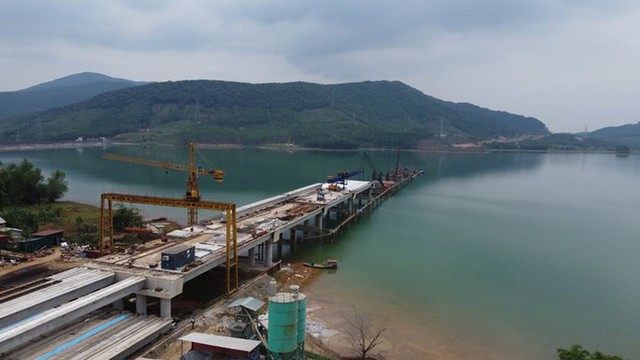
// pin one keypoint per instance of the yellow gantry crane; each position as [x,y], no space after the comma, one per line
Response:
[192,202]
[192,168]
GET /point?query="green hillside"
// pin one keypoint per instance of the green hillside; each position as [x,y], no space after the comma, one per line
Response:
[60,92]
[372,113]
[623,135]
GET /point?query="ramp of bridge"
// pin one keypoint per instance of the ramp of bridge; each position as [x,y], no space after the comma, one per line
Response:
[13,336]
[66,286]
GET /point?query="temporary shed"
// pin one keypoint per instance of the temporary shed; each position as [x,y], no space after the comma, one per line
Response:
[233,348]
[54,235]
[249,303]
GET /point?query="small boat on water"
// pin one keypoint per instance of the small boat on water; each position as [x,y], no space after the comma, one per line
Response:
[329,264]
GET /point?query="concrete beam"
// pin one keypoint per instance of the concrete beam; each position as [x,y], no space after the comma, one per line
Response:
[30,329]
[72,285]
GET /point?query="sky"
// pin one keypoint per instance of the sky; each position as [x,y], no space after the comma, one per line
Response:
[569,63]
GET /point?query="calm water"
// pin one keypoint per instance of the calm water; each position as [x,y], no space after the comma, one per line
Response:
[523,251]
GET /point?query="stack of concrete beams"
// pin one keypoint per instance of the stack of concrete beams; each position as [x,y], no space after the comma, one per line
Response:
[30,328]
[106,334]
[66,286]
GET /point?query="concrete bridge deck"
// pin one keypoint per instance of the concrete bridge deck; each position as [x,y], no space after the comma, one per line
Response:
[257,223]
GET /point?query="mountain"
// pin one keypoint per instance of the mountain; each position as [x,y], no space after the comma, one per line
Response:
[60,92]
[371,113]
[623,135]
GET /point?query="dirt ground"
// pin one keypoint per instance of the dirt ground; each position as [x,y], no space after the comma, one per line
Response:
[214,319]
[36,266]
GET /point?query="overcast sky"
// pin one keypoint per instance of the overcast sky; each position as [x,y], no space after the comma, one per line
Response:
[569,63]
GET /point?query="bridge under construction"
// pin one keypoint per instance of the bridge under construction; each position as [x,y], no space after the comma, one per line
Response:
[79,313]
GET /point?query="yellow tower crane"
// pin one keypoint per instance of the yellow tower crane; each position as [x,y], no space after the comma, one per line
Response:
[193,191]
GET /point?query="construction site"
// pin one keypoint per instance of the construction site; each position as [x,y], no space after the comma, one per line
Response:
[123,302]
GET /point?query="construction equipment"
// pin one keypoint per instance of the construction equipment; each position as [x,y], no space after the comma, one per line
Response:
[375,175]
[193,193]
[107,231]
[341,178]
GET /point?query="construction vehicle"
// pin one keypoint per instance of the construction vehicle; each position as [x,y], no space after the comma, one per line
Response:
[192,168]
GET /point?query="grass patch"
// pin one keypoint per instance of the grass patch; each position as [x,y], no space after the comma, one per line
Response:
[68,212]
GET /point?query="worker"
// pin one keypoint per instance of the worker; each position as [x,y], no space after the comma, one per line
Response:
[193,323]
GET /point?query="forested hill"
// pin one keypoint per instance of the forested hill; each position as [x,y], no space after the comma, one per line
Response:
[372,113]
[60,92]
[624,135]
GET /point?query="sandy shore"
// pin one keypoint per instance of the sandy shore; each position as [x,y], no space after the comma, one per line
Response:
[411,334]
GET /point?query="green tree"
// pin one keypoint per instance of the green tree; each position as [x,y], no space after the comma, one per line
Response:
[56,186]
[21,219]
[577,352]
[126,217]
[87,234]
[23,183]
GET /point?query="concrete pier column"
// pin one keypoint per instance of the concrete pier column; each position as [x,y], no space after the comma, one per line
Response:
[268,256]
[252,257]
[118,304]
[165,308]
[141,304]
[319,221]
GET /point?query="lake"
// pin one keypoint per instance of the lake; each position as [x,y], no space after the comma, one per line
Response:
[496,255]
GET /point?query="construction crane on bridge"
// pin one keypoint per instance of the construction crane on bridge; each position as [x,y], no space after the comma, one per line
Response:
[375,175]
[193,192]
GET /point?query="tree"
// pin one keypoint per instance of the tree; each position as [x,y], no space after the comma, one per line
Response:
[23,183]
[21,219]
[87,234]
[365,332]
[56,186]
[577,352]
[126,217]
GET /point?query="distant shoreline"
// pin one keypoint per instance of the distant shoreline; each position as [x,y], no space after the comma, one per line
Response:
[276,147]
[57,145]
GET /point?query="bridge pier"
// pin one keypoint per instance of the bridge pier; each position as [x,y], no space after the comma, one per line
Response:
[268,256]
[141,304]
[252,257]
[165,308]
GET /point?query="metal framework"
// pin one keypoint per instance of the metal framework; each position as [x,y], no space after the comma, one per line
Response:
[193,191]
[106,224]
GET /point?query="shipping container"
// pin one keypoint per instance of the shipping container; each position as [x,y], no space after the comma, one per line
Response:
[177,257]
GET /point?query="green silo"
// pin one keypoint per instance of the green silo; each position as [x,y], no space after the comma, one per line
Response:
[283,325]
[302,318]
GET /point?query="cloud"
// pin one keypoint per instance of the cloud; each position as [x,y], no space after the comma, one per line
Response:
[546,58]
